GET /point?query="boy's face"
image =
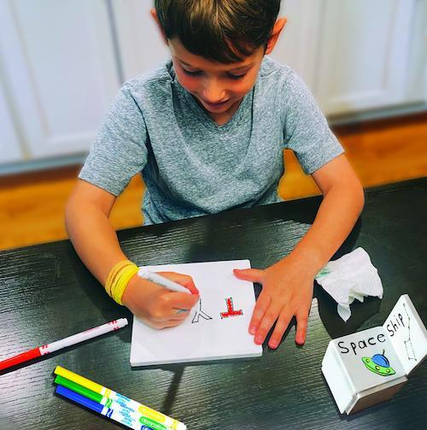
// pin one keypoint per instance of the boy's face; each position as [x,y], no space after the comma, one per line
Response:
[218,87]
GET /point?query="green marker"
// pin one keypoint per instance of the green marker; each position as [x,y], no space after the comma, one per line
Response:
[152,424]
[79,389]
[124,411]
[123,401]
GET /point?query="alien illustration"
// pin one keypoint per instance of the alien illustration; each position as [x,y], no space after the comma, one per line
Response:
[379,364]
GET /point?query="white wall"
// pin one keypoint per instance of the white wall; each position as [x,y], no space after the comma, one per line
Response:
[63,62]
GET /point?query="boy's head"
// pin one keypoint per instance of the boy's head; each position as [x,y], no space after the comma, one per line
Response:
[224,31]
[217,46]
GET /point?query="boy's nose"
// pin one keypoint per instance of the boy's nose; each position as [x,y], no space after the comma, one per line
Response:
[213,93]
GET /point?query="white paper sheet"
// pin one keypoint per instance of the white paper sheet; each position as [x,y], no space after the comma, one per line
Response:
[200,338]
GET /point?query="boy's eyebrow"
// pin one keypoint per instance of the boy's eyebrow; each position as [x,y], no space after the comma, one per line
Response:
[186,64]
[237,69]
[241,68]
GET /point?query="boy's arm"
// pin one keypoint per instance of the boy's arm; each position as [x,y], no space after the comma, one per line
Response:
[288,284]
[343,200]
[96,243]
[89,228]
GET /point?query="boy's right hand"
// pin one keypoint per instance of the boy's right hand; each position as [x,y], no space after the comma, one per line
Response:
[158,306]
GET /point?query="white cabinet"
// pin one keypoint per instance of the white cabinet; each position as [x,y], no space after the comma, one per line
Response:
[417,80]
[61,63]
[10,150]
[141,45]
[60,69]
[364,54]
[298,43]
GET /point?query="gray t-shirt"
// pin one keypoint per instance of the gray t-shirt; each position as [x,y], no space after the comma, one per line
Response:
[192,166]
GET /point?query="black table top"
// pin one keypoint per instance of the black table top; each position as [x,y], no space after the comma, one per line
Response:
[47,294]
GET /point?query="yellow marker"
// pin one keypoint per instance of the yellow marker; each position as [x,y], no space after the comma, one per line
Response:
[149,413]
[87,383]
[169,422]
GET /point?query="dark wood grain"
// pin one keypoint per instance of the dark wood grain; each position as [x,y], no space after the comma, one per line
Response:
[46,294]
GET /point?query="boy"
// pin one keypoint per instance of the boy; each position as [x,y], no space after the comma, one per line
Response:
[207,130]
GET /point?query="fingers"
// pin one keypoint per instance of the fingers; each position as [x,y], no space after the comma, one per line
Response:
[171,308]
[157,306]
[251,275]
[268,312]
[267,322]
[302,319]
[180,314]
[181,311]
[182,300]
[166,324]
[280,328]
[172,323]
[261,307]
[167,305]
[178,306]
[184,280]
[169,317]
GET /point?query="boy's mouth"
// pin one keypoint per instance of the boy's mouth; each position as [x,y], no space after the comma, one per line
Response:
[215,106]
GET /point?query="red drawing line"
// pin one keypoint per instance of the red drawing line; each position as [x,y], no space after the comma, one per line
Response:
[230,310]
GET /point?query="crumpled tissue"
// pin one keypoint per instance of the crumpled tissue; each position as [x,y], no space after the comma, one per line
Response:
[350,277]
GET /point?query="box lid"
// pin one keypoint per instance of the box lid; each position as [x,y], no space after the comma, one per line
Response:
[368,359]
[407,334]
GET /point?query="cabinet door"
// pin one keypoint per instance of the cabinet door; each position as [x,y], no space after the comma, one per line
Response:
[298,44]
[60,68]
[417,81]
[364,54]
[142,48]
[9,144]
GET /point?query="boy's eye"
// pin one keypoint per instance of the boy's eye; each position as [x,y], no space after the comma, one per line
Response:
[191,73]
[199,73]
[237,76]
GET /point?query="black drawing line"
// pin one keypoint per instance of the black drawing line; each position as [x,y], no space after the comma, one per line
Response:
[408,342]
[199,313]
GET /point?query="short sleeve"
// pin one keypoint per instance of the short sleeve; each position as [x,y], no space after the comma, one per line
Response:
[119,151]
[306,130]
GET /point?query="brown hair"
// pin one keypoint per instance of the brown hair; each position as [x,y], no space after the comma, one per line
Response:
[225,31]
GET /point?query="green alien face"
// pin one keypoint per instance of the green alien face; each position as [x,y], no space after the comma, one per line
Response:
[378,364]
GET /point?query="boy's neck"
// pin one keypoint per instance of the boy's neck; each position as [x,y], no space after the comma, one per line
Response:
[223,117]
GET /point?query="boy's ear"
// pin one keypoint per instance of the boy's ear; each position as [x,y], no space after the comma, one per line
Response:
[277,29]
[153,13]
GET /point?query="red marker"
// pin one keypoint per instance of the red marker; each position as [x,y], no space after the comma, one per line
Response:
[60,344]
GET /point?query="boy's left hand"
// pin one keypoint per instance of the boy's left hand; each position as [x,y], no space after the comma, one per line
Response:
[287,292]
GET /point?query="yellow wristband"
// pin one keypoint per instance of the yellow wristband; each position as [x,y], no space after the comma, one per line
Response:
[118,278]
[113,273]
[122,281]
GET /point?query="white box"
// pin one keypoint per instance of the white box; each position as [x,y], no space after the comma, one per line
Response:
[369,367]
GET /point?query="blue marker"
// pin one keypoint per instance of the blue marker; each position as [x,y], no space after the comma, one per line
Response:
[103,410]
